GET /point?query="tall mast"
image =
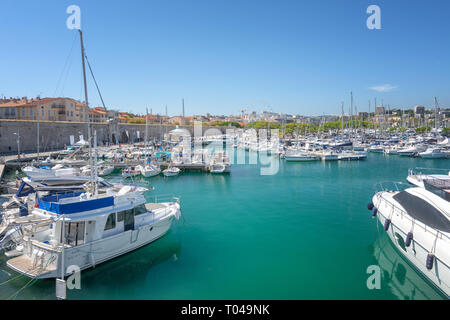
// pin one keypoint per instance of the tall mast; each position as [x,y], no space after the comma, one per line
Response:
[351,112]
[87,103]
[435,113]
[182,120]
[146,129]
[342,118]
[375,115]
[38,124]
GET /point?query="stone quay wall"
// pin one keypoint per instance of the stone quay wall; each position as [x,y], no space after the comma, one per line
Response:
[56,135]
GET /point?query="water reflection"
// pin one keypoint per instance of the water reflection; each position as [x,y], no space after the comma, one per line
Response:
[105,280]
[401,278]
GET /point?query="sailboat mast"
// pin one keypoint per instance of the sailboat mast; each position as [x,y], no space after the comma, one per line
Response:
[38,125]
[86,102]
[146,130]
[435,113]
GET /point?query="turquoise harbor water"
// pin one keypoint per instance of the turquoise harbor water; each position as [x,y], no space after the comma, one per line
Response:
[304,233]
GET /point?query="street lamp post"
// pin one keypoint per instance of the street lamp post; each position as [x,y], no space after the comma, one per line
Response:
[18,143]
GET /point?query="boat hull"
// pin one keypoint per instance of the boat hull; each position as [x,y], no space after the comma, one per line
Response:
[92,254]
[299,159]
[417,252]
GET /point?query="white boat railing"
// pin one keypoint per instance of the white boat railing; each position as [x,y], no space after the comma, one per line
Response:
[403,212]
[165,198]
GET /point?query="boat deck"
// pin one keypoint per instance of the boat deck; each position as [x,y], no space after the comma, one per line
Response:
[154,206]
[24,265]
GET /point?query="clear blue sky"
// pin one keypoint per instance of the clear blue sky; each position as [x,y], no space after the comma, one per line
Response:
[299,57]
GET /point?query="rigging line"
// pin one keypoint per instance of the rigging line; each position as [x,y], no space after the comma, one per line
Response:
[65,79]
[95,81]
[64,67]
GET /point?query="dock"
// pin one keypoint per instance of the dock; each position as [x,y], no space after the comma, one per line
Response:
[184,167]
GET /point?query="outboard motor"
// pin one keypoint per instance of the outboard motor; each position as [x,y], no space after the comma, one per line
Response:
[11,239]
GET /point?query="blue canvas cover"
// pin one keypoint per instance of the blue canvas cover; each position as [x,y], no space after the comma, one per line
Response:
[51,203]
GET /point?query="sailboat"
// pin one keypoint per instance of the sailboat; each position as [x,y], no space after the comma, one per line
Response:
[148,170]
[89,227]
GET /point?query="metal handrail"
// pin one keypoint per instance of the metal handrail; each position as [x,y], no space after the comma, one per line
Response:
[399,186]
[166,198]
[418,170]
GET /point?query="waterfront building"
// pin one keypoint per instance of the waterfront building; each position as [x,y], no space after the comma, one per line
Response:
[50,109]
[419,111]
[379,110]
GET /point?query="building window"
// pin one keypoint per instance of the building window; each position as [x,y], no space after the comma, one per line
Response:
[7,112]
[23,112]
[110,222]
[31,112]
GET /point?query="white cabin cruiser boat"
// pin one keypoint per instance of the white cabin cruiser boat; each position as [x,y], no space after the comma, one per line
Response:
[56,171]
[411,150]
[149,170]
[105,170]
[376,149]
[417,176]
[417,220]
[352,155]
[300,156]
[329,156]
[433,153]
[218,168]
[171,172]
[85,230]
[130,172]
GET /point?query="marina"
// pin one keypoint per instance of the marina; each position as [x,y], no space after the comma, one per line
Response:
[224,151]
[221,261]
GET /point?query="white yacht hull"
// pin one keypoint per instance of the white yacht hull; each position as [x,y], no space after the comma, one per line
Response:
[150,173]
[301,158]
[421,245]
[436,155]
[91,254]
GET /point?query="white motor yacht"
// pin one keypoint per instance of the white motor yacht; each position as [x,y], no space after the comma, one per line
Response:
[433,153]
[171,172]
[417,220]
[130,172]
[300,156]
[85,230]
[417,176]
[150,170]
